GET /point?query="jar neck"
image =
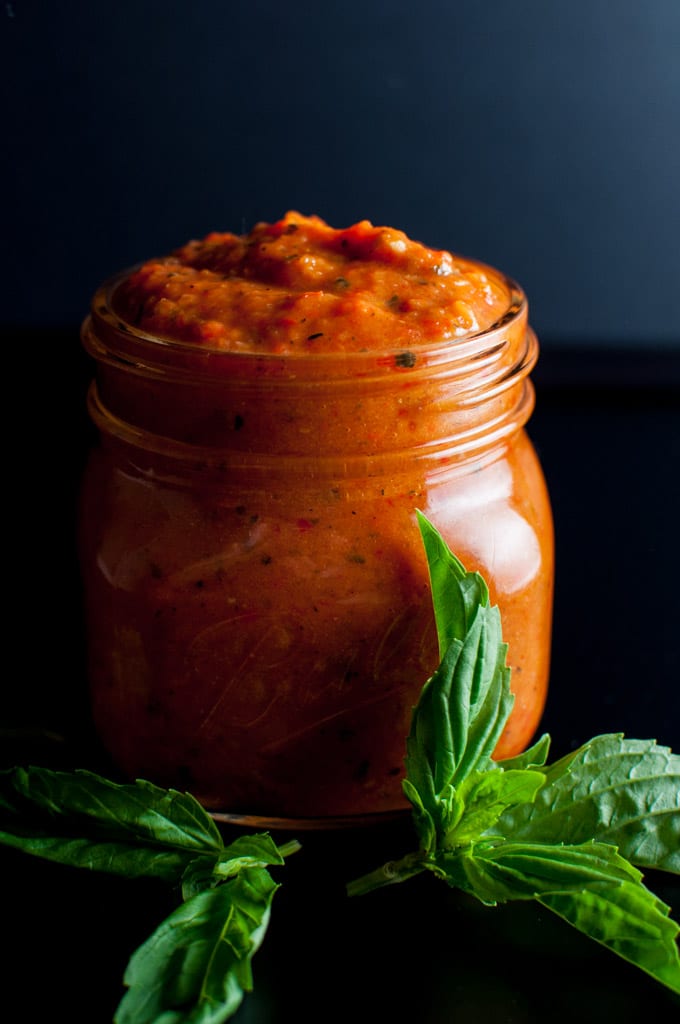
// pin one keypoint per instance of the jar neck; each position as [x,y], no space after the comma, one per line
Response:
[439,404]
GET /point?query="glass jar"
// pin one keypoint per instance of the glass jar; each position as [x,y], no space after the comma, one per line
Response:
[257,595]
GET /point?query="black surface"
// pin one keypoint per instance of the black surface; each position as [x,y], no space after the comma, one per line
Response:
[607,429]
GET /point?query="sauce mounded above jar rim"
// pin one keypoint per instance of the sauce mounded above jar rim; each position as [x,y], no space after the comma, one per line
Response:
[299,287]
[272,409]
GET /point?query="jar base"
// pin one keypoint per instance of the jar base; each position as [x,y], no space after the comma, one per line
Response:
[318,824]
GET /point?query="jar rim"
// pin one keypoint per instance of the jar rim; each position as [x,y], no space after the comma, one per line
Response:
[109,326]
[476,386]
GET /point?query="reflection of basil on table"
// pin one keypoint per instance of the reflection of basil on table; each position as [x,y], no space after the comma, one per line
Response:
[571,835]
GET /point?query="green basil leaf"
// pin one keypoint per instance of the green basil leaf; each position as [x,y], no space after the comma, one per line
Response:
[517,828]
[591,886]
[456,593]
[620,791]
[199,874]
[460,715]
[430,750]
[249,851]
[533,757]
[196,967]
[255,850]
[483,796]
[630,921]
[422,819]
[84,820]
[509,870]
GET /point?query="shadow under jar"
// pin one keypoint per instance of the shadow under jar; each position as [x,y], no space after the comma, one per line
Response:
[258,607]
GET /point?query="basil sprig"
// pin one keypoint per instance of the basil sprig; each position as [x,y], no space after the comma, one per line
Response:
[570,835]
[197,964]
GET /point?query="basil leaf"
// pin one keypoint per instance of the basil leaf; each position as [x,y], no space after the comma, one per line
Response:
[84,820]
[592,887]
[459,717]
[258,850]
[620,791]
[423,820]
[501,871]
[482,799]
[516,828]
[456,593]
[196,967]
[250,851]
[430,746]
[533,757]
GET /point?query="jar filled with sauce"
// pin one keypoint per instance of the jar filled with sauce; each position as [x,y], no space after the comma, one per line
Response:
[272,410]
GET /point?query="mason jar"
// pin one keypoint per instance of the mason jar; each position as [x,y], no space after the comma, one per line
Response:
[259,616]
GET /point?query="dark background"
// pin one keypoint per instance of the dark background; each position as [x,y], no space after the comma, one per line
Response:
[539,136]
[542,137]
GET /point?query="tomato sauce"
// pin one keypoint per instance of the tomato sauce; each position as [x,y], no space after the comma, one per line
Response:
[300,286]
[272,409]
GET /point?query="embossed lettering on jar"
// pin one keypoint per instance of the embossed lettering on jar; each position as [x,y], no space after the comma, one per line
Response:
[258,610]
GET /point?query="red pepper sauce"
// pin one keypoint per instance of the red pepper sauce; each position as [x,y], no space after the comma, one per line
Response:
[274,407]
[300,286]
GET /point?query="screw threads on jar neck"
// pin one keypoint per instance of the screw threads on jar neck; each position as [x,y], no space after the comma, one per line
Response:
[440,405]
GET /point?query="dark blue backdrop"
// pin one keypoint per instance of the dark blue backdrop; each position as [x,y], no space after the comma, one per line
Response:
[541,136]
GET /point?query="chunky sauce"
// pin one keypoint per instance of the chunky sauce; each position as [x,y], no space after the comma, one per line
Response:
[301,286]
